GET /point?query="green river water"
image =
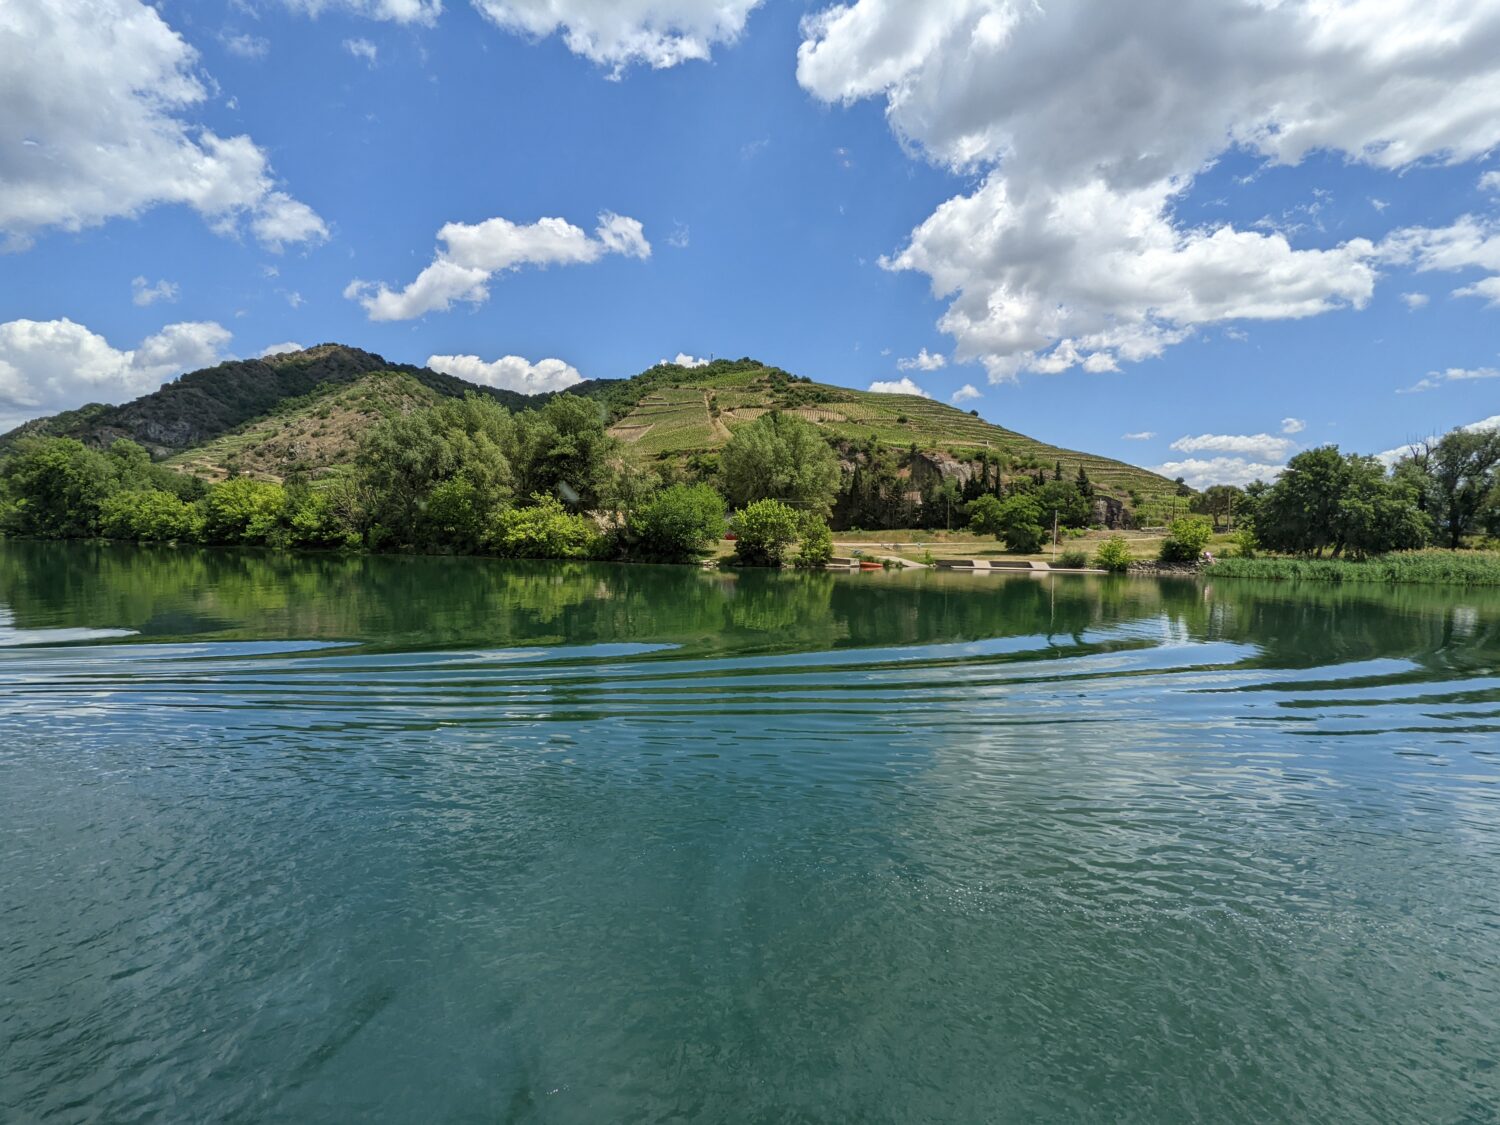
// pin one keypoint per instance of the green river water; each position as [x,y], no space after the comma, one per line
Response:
[314,839]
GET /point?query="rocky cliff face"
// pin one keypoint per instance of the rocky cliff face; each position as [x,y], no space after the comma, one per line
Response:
[1112,513]
[932,470]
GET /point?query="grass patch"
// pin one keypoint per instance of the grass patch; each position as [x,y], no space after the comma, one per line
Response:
[1454,568]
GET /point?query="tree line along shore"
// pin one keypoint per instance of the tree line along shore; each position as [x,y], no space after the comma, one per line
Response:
[467,476]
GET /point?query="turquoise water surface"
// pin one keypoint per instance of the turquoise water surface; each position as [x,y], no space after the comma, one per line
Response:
[320,839]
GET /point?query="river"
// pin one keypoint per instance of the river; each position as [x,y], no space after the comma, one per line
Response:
[306,839]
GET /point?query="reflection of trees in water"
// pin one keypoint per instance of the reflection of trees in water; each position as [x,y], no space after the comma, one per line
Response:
[422,601]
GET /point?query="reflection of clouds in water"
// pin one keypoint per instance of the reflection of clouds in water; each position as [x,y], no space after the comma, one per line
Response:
[1465,620]
[11,637]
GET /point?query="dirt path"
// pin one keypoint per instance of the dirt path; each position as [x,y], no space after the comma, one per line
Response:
[717,426]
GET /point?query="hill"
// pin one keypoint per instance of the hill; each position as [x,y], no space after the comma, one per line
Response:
[311,434]
[198,407]
[680,411]
[306,411]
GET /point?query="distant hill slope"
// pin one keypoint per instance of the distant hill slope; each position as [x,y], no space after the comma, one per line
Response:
[306,411]
[312,434]
[203,405]
[680,410]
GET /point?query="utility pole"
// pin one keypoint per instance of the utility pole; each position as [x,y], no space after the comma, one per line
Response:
[1054,534]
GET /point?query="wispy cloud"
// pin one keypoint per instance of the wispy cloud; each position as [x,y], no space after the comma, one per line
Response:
[143,293]
[1436,379]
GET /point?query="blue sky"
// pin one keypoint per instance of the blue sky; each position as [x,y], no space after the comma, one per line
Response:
[1237,231]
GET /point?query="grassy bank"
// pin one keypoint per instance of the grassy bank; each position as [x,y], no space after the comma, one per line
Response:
[1456,568]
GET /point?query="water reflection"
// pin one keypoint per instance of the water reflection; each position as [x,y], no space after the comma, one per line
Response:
[403,604]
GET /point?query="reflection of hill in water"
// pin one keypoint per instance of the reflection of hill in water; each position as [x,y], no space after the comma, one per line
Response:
[424,603]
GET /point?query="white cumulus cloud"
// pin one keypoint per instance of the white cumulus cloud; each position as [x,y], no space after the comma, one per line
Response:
[509,373]
[52,365]
[685,360]
[397,11]
[98,96]
[1139,435]
[143,293]
[1265,447]
[922,361]
[1201,472]
[1486,289]
[1089,120]
[1490,181]
[618,33]
[898,387]
[967,393]
[281,349]
[1292,425]
[473,253]
[1415,301]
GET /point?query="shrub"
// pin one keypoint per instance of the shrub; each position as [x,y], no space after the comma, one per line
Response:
[766,529]
[1114,555]
[1073,560]
[149,516]
[546,530]
[816,547]
[1186,539]
[1245,544]
[677,524]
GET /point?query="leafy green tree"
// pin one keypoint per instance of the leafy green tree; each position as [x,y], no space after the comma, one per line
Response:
[1083,484]
[1457,478]
[1218,502]
[678,524]
[57,487]
[135,471]
[242,510]
[317,518]
[149,516]
[1299,513]
[563,450]
[764,530]
[1325,501]
[1017,520]
[816,548]
[780,457]
[1062,497]
[545,530]
[1186,539]
[1377,514]
[452,453]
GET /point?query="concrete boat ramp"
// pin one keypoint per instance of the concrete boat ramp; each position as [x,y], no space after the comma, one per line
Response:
[965,566]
